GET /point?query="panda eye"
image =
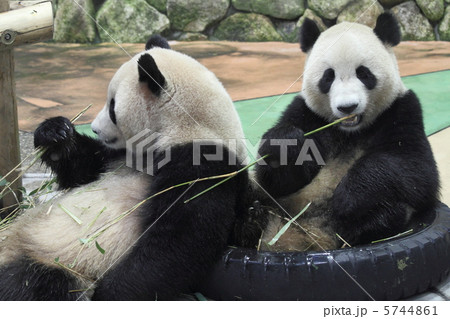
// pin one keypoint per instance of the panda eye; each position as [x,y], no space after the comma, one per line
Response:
[326,81]
[112,112]
[366,77]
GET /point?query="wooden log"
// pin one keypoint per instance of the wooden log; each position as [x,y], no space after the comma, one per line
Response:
[19,4]
[26,25]
[9,128]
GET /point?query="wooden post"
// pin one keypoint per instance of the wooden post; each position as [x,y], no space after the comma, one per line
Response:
[30,24]
[9,125]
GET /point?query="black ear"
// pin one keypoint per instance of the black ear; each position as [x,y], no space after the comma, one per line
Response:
[149,72]
[309,32]
[158,42]
[387,29]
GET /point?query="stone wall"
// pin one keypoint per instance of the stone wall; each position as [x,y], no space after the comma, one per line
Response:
[237,20]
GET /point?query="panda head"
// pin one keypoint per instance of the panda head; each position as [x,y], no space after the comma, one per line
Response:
[169,93]
[351,69]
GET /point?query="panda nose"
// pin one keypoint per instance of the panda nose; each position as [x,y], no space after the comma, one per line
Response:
[347,109]
[95,131]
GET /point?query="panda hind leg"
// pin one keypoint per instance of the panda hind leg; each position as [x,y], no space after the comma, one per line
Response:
[26,280]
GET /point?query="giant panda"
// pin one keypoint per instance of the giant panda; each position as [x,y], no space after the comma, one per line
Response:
[163,247]
[379,173]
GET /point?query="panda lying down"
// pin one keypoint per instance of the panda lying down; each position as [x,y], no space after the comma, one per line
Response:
[164,247]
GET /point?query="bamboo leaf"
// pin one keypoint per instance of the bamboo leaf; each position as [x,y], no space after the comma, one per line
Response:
[3,182]
[100,249]
[288,224]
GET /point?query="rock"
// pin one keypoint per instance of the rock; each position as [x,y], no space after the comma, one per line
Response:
[195,15]
[413,25]
[328,9]
[130,21]
[363,11]
[159,5]
[291,33]
[444,26]
[250,27]
[288,30]
[192,36]
[391,3]
[282,9]
[433,9]
[97,4]
[312,16]
[72,24]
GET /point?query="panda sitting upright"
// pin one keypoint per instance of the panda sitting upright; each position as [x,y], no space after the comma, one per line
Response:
[81,245]
[379,170]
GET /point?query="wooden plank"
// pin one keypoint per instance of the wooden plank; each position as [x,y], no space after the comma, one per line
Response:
[9,128]
[18,4]
[26,25]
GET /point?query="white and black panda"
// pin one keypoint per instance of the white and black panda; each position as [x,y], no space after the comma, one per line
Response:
[164,247]
[379,170]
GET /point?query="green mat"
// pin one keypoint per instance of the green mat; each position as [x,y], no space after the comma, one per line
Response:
[433,90]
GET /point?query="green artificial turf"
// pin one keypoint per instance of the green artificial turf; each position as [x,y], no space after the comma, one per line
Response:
[433,90]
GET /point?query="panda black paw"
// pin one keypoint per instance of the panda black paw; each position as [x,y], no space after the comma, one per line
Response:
[54,132]
[248,229]
[278,140]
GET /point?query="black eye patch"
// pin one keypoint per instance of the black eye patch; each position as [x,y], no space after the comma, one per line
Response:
[366,77]
[326,81]
[112,112]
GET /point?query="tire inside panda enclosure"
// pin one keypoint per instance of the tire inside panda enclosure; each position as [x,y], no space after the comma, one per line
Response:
[391,270]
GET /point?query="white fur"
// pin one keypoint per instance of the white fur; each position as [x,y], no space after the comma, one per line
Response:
[48,232]
[345,47]
[193,104]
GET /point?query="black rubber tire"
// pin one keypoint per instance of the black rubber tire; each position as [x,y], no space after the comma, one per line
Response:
[390,270]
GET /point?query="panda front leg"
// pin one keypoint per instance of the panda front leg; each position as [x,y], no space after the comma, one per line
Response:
[281,173]
[381,192]
[180,241]
[76,159]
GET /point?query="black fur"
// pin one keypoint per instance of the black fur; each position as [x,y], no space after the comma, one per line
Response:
[112,111]
[326,81]
[280,180]
[175,254]
[149,73]
[76,159]
[309,33]
[397,169]
[179,244]
[387,29]
[27,280]
[366,77]
[157,41]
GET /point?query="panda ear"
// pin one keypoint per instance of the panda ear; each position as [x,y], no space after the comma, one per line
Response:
[387,29]
[157,41]
[309,32]
[149,73]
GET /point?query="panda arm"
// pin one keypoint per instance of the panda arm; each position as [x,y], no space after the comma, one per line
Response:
[281,180]
[180,242]
[398,168]
[76,159]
